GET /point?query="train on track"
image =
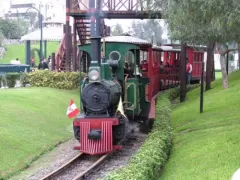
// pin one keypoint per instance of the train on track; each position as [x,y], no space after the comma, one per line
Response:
[122,87]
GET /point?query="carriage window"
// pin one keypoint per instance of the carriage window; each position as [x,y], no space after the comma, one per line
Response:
[115,55]
[143,55]
[129,57]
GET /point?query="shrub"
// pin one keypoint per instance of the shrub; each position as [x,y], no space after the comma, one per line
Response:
[175,92]
[46,78]
[24,79]
[4,82]
[11,79]
[1,77]
[154,152]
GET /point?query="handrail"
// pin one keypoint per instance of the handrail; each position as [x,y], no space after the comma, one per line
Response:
[60,53]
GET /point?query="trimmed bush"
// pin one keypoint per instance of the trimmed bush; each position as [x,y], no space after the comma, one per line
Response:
[154,152]
[11,79]
[4,82]
[1,77]
[175,92]
[24,79]
[46,78]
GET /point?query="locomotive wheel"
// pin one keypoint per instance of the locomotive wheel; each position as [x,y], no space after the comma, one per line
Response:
[76,130]
[120,131]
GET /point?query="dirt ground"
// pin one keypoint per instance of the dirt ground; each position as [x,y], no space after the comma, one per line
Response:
[49,161]
[64,152]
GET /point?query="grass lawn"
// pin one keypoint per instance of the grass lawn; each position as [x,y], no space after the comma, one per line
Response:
[206,146]
[18,51]
[218,75]
[33,120]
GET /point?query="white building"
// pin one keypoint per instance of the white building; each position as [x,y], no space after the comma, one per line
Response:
[53,10]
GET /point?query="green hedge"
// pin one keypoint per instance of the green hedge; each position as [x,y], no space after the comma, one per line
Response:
[46,78]
[154,152]
[175,92]
[9,79]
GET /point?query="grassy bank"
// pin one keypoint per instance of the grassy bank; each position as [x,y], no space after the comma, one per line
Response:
[153,154]
[206,145]
[18,51]
[33,120]
[218,75]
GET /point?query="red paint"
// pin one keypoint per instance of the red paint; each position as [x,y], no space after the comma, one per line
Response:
[67,17]
[173,58]
[152,113]
[94,147]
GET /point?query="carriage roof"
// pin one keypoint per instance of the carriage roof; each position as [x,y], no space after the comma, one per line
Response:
[125,39]
[166,48]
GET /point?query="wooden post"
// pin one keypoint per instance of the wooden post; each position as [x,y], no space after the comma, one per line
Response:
[68,35]
[209,66]
[53,62]
[183,72]
[202,85]
[227,62]
[74,46]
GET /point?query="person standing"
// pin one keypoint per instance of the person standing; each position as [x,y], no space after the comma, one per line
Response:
[17,61]
[33,62]
[42,64]
[188,71]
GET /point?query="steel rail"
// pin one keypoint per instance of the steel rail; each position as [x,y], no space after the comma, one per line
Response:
[62,168]
[80,176]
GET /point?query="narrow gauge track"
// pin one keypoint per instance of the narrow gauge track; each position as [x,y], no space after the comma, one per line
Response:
[80,165]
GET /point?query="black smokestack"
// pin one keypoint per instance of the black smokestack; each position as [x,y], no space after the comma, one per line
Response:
[95,30]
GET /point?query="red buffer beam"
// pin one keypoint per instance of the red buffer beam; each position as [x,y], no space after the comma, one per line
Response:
[115,9]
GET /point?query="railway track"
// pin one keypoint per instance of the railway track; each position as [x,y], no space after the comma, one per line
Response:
[80,172]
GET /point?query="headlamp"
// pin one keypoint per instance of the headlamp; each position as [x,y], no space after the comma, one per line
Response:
[93,75]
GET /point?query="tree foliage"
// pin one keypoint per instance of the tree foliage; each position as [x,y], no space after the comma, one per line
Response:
[198,21]
[117,30]
[149,30]
[13,29]
[1,38]
[204,22]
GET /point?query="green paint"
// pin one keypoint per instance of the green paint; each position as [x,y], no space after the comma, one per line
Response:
[133,100]
[145,106]
[122,48]
[106,71]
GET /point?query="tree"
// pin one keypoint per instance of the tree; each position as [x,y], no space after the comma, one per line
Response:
[1,38]
[205,22]
[13,29]
[149,30]
[8,28]
[117,30]
[22,27]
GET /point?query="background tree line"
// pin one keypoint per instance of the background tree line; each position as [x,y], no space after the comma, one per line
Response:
[212,23]
[149,30]
[15,28]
